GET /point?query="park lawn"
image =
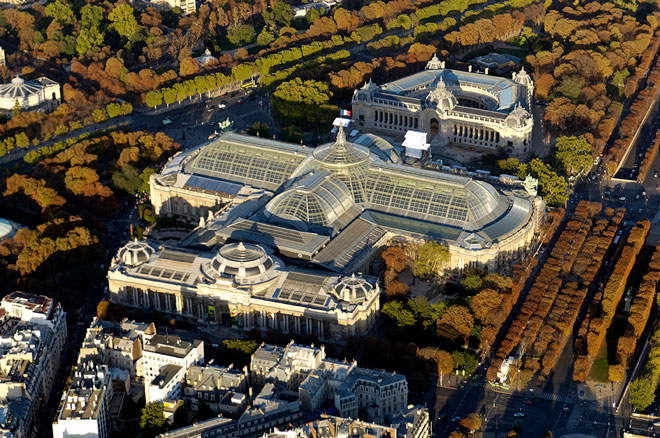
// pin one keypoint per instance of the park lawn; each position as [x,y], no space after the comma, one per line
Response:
[600,369]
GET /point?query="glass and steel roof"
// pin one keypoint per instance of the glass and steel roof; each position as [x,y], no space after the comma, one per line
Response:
[347,161]
[469,204]
[341,153]
[259,162]
[317,201]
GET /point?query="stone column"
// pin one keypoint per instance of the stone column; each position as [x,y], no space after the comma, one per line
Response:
[179,303]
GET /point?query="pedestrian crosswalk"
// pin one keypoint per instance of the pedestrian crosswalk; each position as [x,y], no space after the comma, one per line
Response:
[554,397]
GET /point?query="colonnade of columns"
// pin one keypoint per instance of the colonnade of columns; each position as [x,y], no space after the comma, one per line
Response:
[394,119]
[190,306]
[470,134]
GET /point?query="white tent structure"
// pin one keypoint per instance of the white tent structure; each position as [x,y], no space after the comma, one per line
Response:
[415,144]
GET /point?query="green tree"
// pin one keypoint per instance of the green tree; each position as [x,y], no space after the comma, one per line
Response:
[22,140]
[241,35]
[304,101]
[471,283]
[17,109]
[571,87]
[265,37]
[127,179]
[432,257]
[123,21]
[573,154]
[89,39]
[642,391]
[91,16]
[99,115]
[152,420]
[244,346]
[259,128]
[282,13]
[312,15]
[154,98]
[144,177]
[169,95]
[552,187]
[399,313]
[465,360]
[113,109]
[61,11]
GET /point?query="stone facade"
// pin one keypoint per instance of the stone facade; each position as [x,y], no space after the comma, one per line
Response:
[466,109]
[258,292]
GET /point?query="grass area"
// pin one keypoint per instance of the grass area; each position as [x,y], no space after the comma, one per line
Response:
[600,369]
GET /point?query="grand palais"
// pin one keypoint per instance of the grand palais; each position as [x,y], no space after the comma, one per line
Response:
[288,234]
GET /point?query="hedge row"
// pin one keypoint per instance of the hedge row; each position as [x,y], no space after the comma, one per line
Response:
[593,329]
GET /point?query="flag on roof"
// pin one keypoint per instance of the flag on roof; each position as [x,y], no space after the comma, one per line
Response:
[344,112]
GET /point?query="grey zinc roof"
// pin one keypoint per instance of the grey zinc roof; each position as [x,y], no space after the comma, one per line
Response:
[167,373]
[507,90]
[350,245]
[287,241]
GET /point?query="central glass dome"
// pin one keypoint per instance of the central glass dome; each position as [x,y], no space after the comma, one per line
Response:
[345,160]
[341,153]
[316,202]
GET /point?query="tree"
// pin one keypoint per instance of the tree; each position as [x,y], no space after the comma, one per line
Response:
[471,283]
[241,35]
[22,140]
[123,21]
[395,258]
[472,422]
[456,434]
[443,361]
[642,391]
[127,179]
[552,187]
[484,303]
[102,309]
[60,11]
[154,98]
[152,419]
[89,39]
[282,13]
[91,16]
[456,319]
[432,256]
[396,288]
[265,37]
[188,67]
[398,312]
[571,87]
[17,110]
[573,154]
[78,178]
[616,373]
[465,360]
[259,128]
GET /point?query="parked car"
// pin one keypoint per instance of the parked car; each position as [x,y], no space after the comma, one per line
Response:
[519,414]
